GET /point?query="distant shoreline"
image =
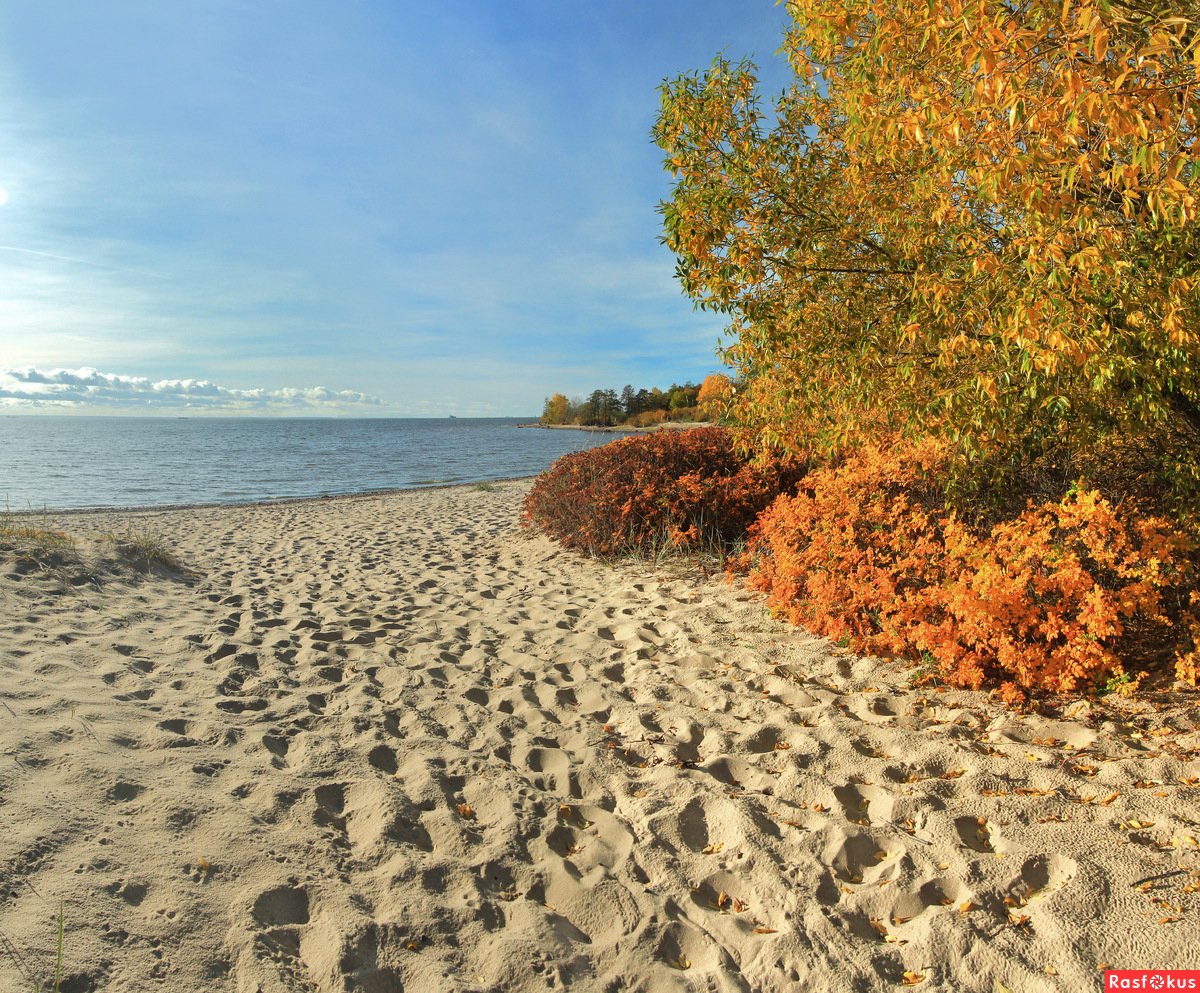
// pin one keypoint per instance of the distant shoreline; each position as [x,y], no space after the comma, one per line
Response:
[621,428]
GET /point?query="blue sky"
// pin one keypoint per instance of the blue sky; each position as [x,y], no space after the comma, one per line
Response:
[375,208]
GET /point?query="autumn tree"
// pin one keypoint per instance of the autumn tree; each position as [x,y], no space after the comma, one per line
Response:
[557,410]
[715,392]
[975,219]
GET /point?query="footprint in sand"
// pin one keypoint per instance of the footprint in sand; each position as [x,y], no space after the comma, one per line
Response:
[123,792]
[684,946]
[138,696]
[180,733]
[738,773]
[862,858]
[331,805]
[980,835]
[768,739]
[132,892]
[551,771]
[383,758]
[1042,875]
[693,826]
[723,893]
[599,838]
[239,706]
[280,905]
[277,744]
[280,913]
[222,651]
[864,805]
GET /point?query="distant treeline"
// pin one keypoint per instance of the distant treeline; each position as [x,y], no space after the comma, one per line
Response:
[640,408]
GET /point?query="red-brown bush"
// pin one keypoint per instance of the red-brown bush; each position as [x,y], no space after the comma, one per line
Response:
[687,489]
[1059,597]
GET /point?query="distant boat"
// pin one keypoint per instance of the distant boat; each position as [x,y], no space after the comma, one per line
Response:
[454,417]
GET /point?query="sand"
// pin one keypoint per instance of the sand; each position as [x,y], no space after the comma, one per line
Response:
[392,743]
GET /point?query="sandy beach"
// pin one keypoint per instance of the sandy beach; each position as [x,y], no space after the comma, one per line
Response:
[392,743]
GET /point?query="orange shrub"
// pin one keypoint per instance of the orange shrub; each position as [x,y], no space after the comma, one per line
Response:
[647,418]
[689,489]
[1057,598]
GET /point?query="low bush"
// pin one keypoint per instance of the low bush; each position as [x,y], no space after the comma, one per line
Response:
[1067,594]
[680,489]
[647,418]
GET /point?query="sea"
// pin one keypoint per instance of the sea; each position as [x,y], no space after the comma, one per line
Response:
[74,462]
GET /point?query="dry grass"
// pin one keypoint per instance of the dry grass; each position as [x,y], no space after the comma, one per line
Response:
[144,550]
[39,548]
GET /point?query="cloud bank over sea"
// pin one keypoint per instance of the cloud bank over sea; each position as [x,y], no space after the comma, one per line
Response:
[30,388]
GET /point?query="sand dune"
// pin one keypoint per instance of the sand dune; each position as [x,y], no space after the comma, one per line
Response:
[390,743]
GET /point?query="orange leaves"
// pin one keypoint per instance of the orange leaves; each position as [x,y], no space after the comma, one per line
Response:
[715,393]
[1053,599]
[972,221]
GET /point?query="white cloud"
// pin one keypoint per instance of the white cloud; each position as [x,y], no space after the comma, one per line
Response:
[89,389]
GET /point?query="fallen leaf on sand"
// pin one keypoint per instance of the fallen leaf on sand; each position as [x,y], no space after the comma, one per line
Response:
[912,979]
[713,848]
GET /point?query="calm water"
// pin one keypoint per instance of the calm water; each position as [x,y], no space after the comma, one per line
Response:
[75,462]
